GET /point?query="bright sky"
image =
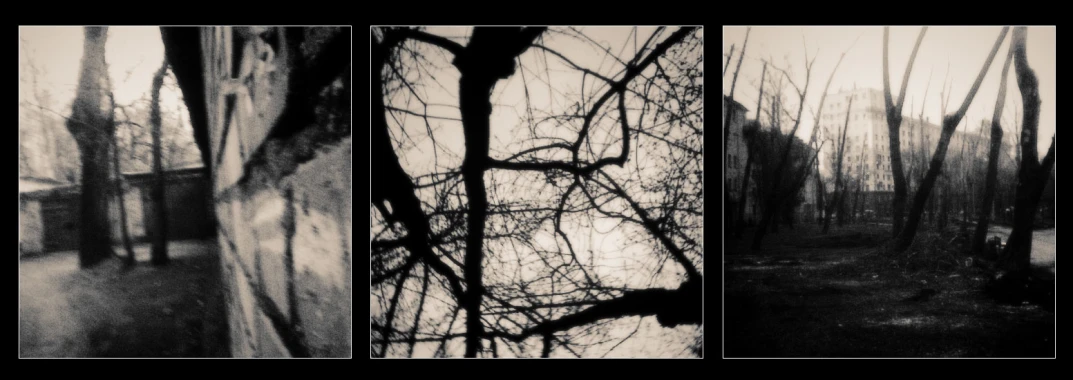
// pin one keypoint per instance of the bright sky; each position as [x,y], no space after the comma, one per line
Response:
[962,49]
[58,52]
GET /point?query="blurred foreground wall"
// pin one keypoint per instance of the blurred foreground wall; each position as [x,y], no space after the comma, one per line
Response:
[279,137]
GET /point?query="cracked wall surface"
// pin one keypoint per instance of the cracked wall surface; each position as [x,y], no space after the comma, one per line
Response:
[278,111]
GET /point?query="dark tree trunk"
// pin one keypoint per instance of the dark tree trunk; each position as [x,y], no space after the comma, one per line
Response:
[831,208]
[856,202]
[740,224]
[127,245]
[842,208]
[770,212]
[90,125]
[1033,175]
[894,124]
[95,231]
[980,235]
[838,193]
[159,250]
[821,194]
[487,58]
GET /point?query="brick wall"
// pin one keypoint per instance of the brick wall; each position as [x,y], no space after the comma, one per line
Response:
[280,148]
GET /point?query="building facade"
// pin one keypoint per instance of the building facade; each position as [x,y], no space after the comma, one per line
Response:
[737,150]
[49,215]
[867,149]
[270,108]
[736,156]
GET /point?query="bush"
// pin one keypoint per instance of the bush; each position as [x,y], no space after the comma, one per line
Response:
[939,251]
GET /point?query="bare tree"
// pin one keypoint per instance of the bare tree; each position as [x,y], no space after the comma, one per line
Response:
[837,197]
[803,170]
[118,175]
[769,213]
[950,122]
[460,222]
[89,124]
[993,160]
[159,253]
[730,57]
[894,124]
[1033,173]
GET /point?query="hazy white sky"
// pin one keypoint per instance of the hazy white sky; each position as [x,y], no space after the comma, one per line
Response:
[136,50]
[962,49]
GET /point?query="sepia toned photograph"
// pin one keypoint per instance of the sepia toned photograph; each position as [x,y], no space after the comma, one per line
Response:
[185,192]
[537,192]
[889,192]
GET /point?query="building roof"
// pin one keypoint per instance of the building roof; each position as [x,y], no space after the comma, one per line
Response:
[31,184]
[727,99]
[67,189]
[170,174]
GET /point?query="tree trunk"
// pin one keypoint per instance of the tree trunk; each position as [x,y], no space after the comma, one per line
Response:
[894,124]
[89,124]
[856,202]
[127,245]
[821,194]
[980,235]
[487,58]
[744,197]
[769,214]
[1033,175]
[831,208]
[838,193]
[159,252]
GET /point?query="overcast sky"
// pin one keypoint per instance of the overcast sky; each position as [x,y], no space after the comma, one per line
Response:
[962,49]
[57,50]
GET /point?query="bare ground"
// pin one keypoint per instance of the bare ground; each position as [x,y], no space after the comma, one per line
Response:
[106,311]
[797,298]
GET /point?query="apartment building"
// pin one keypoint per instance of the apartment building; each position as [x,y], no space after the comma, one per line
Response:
[867,151]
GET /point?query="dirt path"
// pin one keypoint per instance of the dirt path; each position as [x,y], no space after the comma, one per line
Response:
[46,326]
[106,311]
[1042,244]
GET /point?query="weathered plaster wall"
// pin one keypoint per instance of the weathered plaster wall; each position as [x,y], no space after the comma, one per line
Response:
[31,233]
[278,111]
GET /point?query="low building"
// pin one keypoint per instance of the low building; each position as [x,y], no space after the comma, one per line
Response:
[31,228]
[49,212]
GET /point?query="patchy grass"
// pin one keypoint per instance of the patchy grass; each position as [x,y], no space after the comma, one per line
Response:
[107,311]
[799,298]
